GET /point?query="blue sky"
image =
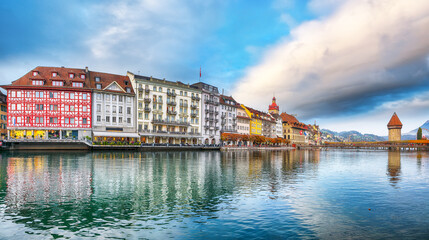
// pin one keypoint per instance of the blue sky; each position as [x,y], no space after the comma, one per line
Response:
[345,64]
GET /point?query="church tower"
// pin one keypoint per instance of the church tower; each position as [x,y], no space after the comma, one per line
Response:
[273,108]
[394,127]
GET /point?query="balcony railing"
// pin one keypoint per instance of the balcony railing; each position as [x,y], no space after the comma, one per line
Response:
[184,105]
[171,112]
[193,115]
[195,98]
[157,101]
[174,123]
[171,103]
[193,106]
[147,109]
[147,90]
[147,100]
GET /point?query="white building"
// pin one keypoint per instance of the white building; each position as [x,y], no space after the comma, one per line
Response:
[210,113]
[167,112]
[113,107]
[228,110]
[243,121]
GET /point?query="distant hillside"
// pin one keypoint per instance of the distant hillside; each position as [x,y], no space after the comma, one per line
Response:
[425,130]
[351,136]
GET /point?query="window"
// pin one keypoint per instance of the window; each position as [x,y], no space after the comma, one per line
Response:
[114,109]
[98,96]
[140,115]
[120,120]
[77,84]
[107,108]
[82,76]
[154,88]
[84,108]
[121,98]
[71,108]
[53,107]
[71,95]
[113,119]
[71,120]
[146,116]
[39,119]
[53,95]
[107,119]
[28,94]
[113,97]
[97,79]
[98,118]
[57,83]
[120,109]
[66,108]
[71,75]
[128,99]
[27,120]
[53,120]
[39,94]
[128,110]
[98,107]
[98,86]
[66,120]
[84,96]
[84,121]
[128,120]
[128,89]
[37,82]
[108,97]
[35,73]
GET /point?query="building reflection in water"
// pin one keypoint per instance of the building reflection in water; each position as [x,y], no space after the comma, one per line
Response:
[92,189]
[394,167]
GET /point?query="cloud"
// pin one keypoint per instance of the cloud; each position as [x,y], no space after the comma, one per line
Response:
[363,54]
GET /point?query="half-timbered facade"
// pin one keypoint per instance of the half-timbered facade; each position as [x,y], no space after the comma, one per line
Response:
[49,103]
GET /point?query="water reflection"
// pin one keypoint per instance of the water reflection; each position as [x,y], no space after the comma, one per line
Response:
[394,167]
[235,194]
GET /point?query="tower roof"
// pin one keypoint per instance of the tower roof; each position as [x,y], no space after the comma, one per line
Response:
[394,121]
[273,105]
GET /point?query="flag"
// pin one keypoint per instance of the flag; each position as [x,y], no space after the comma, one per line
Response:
[200,71]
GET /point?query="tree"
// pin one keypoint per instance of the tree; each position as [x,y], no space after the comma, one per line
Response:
[419,134]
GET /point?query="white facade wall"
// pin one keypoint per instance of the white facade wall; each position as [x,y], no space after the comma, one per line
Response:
[211,117]
[228,118]
[243,124]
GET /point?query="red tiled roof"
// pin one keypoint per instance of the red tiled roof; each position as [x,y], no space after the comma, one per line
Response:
[222,101]
[107,78]
[273,105]
[291,120]
[45,74]
[394,121]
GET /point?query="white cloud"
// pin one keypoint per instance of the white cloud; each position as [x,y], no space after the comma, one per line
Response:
[364,52]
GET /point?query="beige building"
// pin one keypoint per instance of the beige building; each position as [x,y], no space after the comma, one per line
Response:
[293,130]
[243,121]
[394,127]
[167,112]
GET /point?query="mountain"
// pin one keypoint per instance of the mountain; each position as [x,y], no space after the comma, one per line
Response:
[350,136]
[425,130]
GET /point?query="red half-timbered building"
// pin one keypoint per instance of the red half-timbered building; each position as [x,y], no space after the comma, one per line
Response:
[50,103]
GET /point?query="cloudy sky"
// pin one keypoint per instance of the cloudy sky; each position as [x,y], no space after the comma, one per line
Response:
[346,64]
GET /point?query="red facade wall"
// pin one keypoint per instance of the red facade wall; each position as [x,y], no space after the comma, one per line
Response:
[24,108]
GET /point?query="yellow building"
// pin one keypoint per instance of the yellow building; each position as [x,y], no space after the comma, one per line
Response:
[255,120]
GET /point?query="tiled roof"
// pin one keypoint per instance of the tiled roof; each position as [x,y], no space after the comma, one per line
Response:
[260,115]
[394,121]
[45,74]
[273,105]
[291,120]
[107,78]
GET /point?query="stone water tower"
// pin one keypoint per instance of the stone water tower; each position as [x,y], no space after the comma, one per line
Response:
[394,127]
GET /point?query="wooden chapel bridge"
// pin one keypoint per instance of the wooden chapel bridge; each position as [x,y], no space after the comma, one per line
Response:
[410,145]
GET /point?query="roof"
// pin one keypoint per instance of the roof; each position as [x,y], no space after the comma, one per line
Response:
[106,79]
[394,121]
[45,74]
[158,80]
[224,99]
[291,120]
[260,115]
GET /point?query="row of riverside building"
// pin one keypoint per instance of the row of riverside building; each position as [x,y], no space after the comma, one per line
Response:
[51,103]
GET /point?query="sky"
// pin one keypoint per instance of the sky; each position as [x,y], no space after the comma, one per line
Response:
[344,64]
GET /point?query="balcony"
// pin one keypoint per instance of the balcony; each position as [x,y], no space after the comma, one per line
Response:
[171,112]
[217,113]
[193,115]
[216,120]
[140,89]
[171,103]
[184,105]
[171,123]
[195,98]
[147,109]
[172,94]
[157,101]
[147,100]
[193,106]
[147,90]
[209,111]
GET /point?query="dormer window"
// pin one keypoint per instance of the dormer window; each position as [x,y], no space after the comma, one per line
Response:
[71,75]
[82,76]
[126,82]
[37,82]
[54,74]
[128,89]
[77,84]
[35,73]
[97,79]
[98,86]
[57,83]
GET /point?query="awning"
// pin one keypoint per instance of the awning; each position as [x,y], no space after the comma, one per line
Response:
[115,134]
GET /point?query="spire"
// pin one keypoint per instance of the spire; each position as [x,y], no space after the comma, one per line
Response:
[394,122]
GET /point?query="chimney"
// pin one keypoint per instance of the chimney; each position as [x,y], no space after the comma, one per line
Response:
[222,91]
[86,69]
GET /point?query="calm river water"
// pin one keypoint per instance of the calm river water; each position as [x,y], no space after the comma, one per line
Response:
[212,195]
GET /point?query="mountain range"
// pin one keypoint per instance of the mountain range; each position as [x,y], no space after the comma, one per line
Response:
[355,136]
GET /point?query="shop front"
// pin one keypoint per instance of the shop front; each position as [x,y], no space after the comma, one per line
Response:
[118,138]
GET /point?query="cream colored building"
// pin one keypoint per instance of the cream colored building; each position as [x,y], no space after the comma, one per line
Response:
[167,112]
[243,121]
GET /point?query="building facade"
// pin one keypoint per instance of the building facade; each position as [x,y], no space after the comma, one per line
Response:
[293,130]
[255,122]
[273,110]
[228,110]
[50,103]
[114,108]
[211,117]
[167,112]
[243,121]
[394,126]
[3,116]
